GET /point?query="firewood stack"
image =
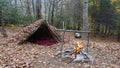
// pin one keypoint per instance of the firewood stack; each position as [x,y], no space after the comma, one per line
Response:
[25,33]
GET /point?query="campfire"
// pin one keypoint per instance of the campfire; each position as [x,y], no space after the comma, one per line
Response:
[77,54]
[78,49]
[81,55]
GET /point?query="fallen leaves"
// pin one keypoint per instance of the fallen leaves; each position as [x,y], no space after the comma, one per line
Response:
[106,55]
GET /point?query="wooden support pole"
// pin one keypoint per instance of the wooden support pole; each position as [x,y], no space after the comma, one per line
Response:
[62,41]
[73,31]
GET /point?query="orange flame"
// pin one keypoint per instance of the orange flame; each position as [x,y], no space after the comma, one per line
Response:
[78,48]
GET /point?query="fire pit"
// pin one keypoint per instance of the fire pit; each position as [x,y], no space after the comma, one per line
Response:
[76,54]
[83,57]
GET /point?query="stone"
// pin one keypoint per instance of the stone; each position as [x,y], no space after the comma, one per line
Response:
[83,57]
[66,53]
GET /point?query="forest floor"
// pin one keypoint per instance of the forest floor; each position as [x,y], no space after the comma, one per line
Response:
[106,54]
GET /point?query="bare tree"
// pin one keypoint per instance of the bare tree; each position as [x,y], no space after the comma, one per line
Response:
[52,12]
[45,6]
[33,6]
[38,9]
[21,5]
[49,10]
[28,10]
[15,11]
[118,38]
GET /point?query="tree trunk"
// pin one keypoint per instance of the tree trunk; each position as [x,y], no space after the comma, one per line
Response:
[98,28]
[94,29]
[3,31]
[85,19]
[45,6]
[15,11]
[33,8]
[28,12]
[118,38]
[102,31]
[52,12]
[78,26]
[22,5]
[106,29]
[38,9]
[109,31]
[49,11]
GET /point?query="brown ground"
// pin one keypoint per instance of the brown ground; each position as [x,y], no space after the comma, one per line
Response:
[106,54]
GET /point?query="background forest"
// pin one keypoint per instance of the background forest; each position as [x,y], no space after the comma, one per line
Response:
[104,15]
[26,43]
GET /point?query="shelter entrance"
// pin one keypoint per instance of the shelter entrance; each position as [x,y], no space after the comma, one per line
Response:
[43,36]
